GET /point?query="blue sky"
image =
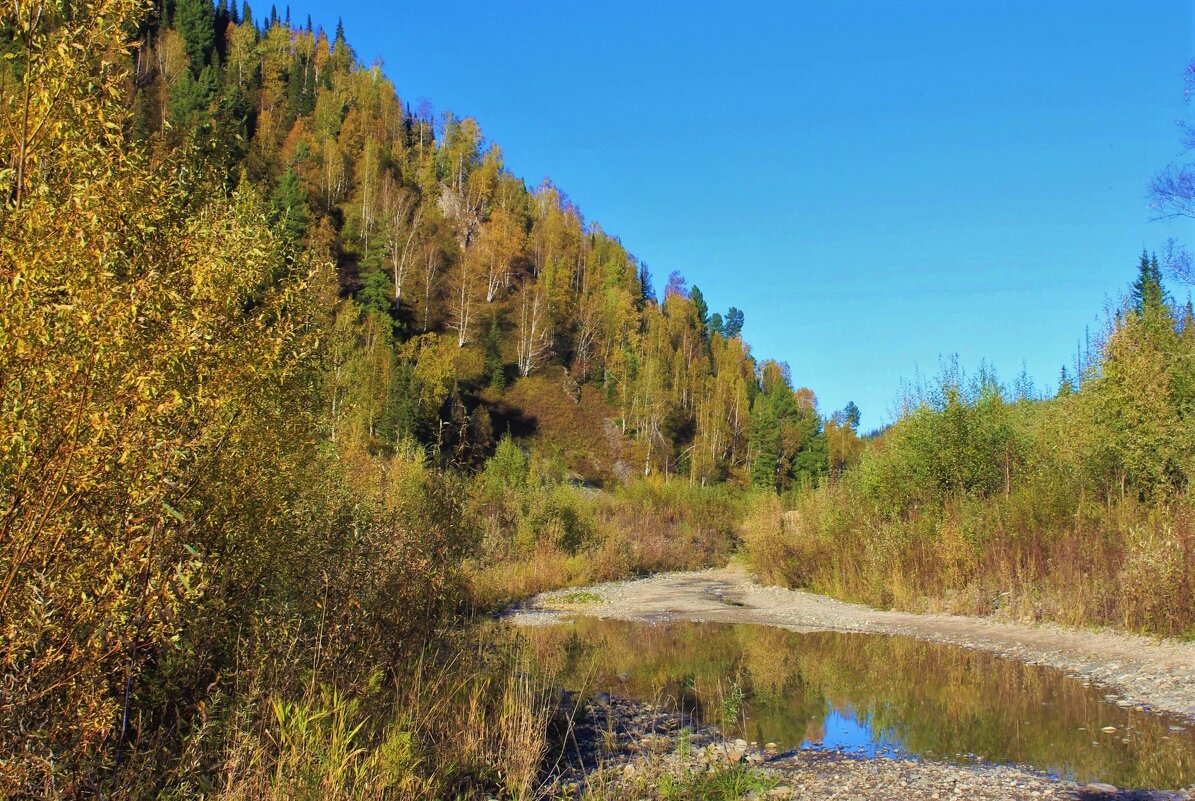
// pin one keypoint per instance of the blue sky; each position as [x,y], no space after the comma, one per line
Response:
[878,185]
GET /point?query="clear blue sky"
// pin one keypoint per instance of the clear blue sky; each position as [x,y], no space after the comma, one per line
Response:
[876,184]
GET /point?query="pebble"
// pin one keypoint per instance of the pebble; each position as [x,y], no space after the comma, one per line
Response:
[646,749]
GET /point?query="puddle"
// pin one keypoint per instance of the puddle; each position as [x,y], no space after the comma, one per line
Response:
[875,695]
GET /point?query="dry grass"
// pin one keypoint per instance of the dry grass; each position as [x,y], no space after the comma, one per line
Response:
[564,536]
[1123,563]
[469,722]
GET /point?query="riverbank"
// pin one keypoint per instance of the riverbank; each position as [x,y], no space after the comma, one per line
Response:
[1140,671]
[625,749]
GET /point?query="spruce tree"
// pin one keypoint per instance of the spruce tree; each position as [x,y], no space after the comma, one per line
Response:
[288,206]
[189,98]
[1148,294]
[1065,385]
[195,21]
[339,38]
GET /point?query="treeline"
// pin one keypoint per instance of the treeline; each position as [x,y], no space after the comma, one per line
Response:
[1075,508]
[463,279]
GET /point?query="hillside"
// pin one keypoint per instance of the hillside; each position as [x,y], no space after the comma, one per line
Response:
[298,383]
[461,278]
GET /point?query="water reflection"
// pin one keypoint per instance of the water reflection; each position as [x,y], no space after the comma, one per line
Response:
[873,694]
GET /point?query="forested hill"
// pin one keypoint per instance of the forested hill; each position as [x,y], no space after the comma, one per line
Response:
[479,306]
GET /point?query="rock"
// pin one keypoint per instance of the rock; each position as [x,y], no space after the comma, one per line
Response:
[771,746]
[1108,729]
[1099,787]
[755,758]
[602,698]
[734,755]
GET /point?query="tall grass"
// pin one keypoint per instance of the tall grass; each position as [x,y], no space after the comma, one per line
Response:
[549,535]
[1026,555]
[980,499]
[466,721]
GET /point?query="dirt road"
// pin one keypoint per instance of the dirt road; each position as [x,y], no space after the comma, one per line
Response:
[1143,672]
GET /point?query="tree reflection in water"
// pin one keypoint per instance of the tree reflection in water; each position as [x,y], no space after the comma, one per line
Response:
[873,694]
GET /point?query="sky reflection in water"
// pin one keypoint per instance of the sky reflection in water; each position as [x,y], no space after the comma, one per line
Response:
[874,695]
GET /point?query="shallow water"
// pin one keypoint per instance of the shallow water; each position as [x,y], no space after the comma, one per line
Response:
[873,694]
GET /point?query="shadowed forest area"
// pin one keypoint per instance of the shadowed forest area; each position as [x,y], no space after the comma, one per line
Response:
[296,380]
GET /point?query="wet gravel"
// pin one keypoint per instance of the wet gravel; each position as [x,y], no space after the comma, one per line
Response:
[621,745]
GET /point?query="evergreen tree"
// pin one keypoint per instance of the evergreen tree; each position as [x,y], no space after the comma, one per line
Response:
[493,355]
[301,88]
[1065,385]
[195,21]
[701,308]
[851,414]
[377,292]
[716,326]
[246,14]
[764,442]
[273,16]
[733,326]
[288,207]
[645,283]
[1148,294]
[338,39]
[189,99]
[786,437]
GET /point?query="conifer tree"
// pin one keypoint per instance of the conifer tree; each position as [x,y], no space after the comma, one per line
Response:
[700,307]
[196,23]
[493,354]
[1148,294]
[1065,385]
[851,414]
[733,324]
[288,207]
